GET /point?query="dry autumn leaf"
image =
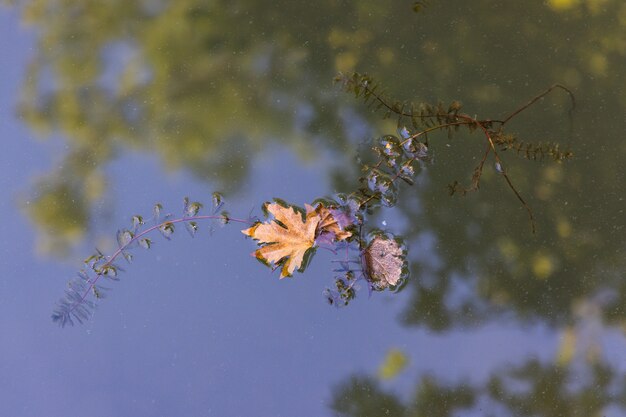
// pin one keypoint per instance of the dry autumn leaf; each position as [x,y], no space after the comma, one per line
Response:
[328,224]
[286,239]
[384,261]
[288,243]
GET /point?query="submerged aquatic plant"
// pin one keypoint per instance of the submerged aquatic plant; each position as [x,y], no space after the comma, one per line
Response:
[81,293]
[288,240]
[398,156]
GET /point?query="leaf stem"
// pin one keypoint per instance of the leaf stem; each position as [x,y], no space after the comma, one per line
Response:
[499,161]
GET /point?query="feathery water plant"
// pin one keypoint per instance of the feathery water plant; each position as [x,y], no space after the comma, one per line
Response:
[289,239]
[425,118]
[82,292]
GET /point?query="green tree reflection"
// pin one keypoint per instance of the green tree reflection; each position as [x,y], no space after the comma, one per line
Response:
[194,80]
[532,389]
[581,379]
[202,85]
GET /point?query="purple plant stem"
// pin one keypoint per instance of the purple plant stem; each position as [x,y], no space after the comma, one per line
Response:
[135,238]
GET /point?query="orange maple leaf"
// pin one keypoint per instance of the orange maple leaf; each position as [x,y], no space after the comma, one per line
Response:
[286,239]
[288,243]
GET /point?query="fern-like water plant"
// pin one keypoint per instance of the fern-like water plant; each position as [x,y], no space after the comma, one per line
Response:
[291,234]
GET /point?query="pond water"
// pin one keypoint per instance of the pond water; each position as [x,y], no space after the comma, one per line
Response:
[110,108]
